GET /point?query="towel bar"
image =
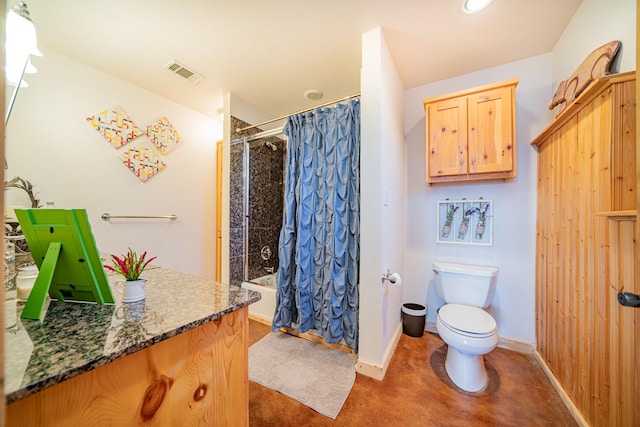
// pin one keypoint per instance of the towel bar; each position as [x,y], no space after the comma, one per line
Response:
[109,217]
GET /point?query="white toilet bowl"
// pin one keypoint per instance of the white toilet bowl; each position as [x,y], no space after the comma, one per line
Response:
[469,333]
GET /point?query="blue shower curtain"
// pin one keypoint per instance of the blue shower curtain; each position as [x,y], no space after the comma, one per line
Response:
[319,249]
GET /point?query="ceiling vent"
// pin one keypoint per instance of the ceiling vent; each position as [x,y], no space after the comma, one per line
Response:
[182,71]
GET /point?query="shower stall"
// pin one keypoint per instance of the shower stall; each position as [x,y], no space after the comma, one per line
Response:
[256,208]
[325,141]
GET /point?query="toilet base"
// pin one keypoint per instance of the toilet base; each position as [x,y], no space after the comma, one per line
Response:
[466,371]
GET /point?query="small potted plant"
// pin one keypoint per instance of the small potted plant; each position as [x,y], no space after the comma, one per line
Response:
[130,266]
[464,225]
[446,228]
[482,220]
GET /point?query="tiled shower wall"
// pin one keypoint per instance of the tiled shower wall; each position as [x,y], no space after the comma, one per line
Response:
[266,192]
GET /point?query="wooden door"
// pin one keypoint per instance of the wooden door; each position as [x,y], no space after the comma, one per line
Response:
[219,211]
[623,333]
[491,123]
[2,150]
[447,138]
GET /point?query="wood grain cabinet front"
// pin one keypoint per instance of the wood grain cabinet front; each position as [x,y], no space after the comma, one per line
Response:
[587,252]
[198,377]
[471,134]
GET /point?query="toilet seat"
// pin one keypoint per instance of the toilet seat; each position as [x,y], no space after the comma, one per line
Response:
[467,320]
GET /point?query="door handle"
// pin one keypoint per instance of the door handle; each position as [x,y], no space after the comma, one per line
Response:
[628,299]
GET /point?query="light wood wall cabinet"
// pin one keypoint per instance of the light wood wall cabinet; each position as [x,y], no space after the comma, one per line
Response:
[471,134]
[585,252]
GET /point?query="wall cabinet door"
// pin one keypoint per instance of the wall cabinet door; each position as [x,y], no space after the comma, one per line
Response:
[490,131]
[447,137]
[471,134]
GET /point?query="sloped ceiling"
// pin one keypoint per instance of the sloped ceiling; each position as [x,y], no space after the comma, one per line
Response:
[268,52]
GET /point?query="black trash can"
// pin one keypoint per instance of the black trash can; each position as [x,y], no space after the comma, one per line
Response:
[413,318]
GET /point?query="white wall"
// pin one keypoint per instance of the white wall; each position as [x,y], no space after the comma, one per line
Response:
[382,199]
[50,143]
[249,113]
[514,207]
[595,23]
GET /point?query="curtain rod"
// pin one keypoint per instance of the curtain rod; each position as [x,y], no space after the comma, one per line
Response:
[346,98]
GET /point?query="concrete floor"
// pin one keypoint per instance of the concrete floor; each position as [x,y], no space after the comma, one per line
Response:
[416,391]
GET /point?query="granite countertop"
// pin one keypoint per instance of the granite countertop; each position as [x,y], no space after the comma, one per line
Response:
[74,338]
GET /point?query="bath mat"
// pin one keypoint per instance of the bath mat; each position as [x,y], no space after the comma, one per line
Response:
[315,375]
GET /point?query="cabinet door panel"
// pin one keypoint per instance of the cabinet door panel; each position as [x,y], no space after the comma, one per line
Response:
[491,131]
[447,133]
[587,251]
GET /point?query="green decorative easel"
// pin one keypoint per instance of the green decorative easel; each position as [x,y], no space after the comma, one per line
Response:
[63,248]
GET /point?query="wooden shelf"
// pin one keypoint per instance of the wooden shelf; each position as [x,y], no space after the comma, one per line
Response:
[626,215]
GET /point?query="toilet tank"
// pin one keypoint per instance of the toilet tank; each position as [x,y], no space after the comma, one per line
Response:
[464,283]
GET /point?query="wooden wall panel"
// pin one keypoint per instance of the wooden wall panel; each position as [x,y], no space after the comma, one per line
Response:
[219,167]
[586,253]
[624,168]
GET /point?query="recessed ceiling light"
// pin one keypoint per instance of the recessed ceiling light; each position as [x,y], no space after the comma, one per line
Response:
[472,6]
[313,94]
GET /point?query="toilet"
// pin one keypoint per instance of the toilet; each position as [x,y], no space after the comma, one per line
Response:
[468,330]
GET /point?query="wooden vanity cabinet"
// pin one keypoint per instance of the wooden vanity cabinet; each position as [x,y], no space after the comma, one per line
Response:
[471,134]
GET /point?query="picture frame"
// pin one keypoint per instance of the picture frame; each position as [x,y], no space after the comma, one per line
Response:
[465,221]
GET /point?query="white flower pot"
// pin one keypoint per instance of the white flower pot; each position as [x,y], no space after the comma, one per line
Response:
[133,290]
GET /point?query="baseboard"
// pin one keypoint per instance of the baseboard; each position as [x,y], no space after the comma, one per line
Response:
[309,336]
[314,336]
[516,345]
[430,327]
[375,371]
[378,372]
[563,394]
[260,319]
[503,342]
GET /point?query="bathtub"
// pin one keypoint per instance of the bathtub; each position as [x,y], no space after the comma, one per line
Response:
[263,310]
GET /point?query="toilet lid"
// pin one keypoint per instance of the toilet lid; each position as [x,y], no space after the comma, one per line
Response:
[467,320]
